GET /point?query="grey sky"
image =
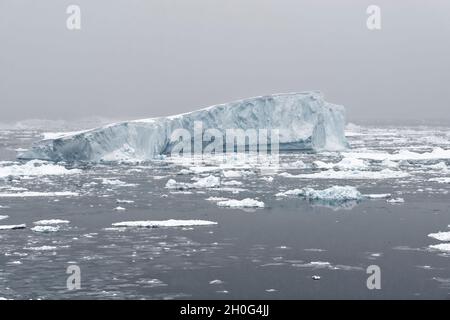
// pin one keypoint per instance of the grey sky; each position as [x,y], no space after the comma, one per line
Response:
[134,59]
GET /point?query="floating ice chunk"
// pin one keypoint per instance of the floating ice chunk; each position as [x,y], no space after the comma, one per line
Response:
[322,165]
[441,166]
[35,168]
[119,208]
[441,247]
[299,164]
[351,164]
[441,236]
[389,164]
[232,174]
[244,203]
[217,281]
[396,200]
[216,199]
[350,174]
[51,222]
[3,217]
[39,194]
[164,223]
[124,201]
[377,196]
[45,229]
[305,121]
[12,227]
[117,182]
[267,179]
[232,183]
[437,153]
[440,180]
[42,248]
[207,182]
[335,193]
[315,277]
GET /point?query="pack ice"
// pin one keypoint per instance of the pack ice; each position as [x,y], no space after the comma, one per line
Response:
[305,120]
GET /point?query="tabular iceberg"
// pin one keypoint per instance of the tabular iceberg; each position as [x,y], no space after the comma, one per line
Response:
[305,122]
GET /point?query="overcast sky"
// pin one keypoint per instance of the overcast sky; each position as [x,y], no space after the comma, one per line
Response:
[136,59]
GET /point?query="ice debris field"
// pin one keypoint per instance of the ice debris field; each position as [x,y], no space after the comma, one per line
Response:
[99,196]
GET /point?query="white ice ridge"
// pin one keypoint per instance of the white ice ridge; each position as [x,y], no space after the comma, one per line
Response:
[244,203]
[164,223]
[305,120]
[50,222]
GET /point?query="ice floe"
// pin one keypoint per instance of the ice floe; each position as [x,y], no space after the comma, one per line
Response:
[3,217]
[441,247]
[335,193]
[38,194]
[35,168]
[396,200]
[163,223]
[441,236]
[51,222]
[244,203]
[45,229]
[207,182]
[436,153]
[13,227]
[349,174]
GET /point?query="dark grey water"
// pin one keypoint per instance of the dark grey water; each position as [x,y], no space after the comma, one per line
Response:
[260,253]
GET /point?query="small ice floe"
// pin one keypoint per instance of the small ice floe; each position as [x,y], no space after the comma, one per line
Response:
[349,174]
[389,164]
[41,248]
[299,164]
[335,193]
[344,165]
[119,208]
[445,247]
[244,203]
[441,236]
[440,180]
[271,290]
[396,200]
[45,229]
[117,183]
[35,168]
[315,277]
[163,223]
[437,153]
[39,194]
[377,196]
[13,227]
[50,222]
[232,183]
[217,281]
[207,182]
[216,199]
[3,217]
[267,179]
[232,174]
[124,201]
[441,166]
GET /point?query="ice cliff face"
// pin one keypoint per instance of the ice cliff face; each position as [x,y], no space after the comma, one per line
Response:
[305,121]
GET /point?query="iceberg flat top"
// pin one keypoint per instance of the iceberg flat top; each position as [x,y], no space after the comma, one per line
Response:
[305,122]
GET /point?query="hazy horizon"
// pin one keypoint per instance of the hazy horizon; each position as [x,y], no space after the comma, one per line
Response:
[143,59]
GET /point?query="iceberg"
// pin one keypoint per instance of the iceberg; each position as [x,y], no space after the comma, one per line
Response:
[305,122]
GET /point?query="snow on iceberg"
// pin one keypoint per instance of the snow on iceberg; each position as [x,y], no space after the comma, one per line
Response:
[163,223]
[305,121]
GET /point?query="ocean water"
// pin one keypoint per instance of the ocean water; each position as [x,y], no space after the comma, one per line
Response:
[256,253]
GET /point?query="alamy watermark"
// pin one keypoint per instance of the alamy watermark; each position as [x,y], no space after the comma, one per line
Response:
[74,280]
[73,21]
